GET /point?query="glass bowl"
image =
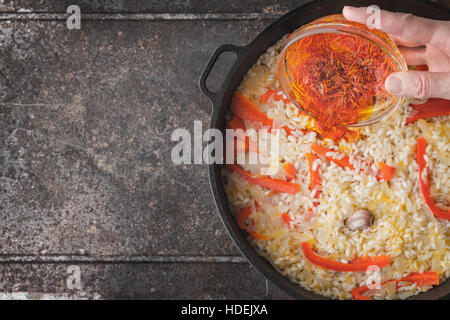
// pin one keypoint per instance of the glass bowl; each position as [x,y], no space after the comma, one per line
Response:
[384,103]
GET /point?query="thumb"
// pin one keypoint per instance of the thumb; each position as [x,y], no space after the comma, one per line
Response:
[419,84]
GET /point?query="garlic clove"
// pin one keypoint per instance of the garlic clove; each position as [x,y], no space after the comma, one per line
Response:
[360,220]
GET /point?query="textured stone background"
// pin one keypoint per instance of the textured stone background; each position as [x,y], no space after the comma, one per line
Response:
[85,172]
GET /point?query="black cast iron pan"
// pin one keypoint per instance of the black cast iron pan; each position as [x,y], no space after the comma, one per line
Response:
[245,57]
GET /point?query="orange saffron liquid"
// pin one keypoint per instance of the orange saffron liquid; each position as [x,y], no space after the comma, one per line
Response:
[336,78]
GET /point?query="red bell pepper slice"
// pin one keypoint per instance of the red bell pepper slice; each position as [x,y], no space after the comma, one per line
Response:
[243,143]
[357,292]
[367,260]
[257,235]
[330,264]
[248,111]
[286,219]
[242,216]
[425,184]
[432,108]
[265,181]
[386,172]
[236,123]
[428,278]
[344,162]
[289,171]
[277,96]
[285,128]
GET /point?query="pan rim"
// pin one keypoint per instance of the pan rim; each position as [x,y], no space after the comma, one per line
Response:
[258,262]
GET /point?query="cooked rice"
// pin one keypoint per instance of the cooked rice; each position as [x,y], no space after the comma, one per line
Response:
[404,228]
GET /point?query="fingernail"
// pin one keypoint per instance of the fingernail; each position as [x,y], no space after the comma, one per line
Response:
[394,85]
[346,8]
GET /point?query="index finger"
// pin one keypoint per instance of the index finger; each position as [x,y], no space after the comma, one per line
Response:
[406,26]
[403,42]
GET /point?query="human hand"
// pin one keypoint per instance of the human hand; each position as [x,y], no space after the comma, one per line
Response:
[422,42]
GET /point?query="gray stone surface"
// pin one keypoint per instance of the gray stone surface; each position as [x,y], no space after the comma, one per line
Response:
[140,6]
[86,125]
[137,281]
[158,6]
[85,170]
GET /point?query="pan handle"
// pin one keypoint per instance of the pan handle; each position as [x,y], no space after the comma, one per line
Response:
[212,96]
